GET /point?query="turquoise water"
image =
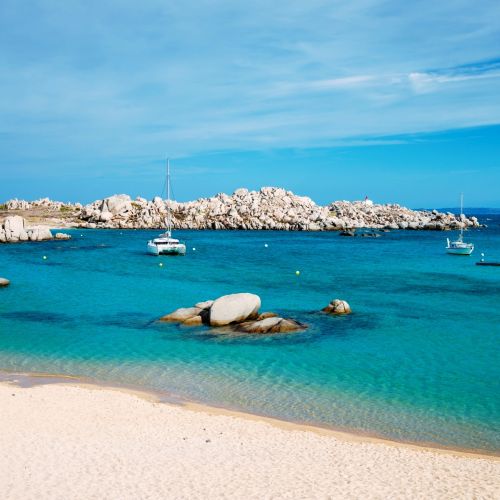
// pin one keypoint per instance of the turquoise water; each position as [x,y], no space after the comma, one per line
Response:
[417,361]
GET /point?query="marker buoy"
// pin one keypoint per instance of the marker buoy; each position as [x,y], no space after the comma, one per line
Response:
[297,273]
[44,257]
[266,245]
[161,264]
[194,249]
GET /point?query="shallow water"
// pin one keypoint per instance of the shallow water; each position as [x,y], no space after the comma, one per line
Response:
[417,361]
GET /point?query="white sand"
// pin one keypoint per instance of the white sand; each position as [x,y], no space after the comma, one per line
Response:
[72,442]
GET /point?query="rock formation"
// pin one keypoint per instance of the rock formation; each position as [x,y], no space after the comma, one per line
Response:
[237,312]
[13,229]
[62,236]
[337,307]
[268,208]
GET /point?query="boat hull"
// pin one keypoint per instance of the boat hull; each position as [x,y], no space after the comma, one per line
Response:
[166,249]
[459,247]
[459,251]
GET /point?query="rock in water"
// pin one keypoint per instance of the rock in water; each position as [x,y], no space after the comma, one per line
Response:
[270,325]
[238,312]
[193,321]
[62,236]
[182,314]
[234,308]
[260,326]
[14,227]
[4,282]
[338,306]
[207,304]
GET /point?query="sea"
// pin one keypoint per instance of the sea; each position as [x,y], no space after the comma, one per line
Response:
[418,360]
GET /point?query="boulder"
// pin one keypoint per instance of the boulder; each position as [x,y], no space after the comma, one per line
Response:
[259,326]
[62,236]
[265,315]
[270,325]
[4,282]
[119,203]
[288,325]
[337,307]
[193,321]
[204,305]
[13,226]
[233,313]
[44,233]
[234,308]
[181,315]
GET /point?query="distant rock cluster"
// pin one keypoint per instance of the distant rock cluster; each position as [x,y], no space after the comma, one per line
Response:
[16,204]
[13,230]
[268,208]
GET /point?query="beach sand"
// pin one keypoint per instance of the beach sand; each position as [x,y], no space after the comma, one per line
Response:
[70,441]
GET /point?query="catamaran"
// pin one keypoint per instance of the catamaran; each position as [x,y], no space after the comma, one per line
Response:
[460,247]
[165,244]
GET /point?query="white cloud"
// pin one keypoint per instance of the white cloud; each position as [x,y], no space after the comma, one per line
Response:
[120,78]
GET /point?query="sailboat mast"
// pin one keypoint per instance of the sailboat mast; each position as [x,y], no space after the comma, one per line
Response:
[169,219]
[461,213]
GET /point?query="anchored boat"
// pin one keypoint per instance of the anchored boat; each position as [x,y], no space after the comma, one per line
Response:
[165,244]
[459,246]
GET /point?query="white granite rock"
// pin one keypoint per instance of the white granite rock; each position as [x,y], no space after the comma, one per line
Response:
[234,308]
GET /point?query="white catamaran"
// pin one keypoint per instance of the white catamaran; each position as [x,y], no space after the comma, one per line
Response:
[165,244]
[459,247]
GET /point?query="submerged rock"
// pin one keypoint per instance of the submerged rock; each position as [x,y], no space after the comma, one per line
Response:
[338,307]
[348,232]
[270,325]
[4,282]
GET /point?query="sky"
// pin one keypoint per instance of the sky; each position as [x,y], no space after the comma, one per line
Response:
[396,100]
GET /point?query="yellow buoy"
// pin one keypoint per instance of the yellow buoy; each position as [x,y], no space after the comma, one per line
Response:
[297,272]
[44,257]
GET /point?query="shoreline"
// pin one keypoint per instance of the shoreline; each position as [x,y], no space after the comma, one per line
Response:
[34,379]
[81,441]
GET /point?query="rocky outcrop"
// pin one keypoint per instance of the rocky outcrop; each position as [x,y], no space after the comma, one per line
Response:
[268,208]
[4,282]
[233,313]
[13,230]
[337,307]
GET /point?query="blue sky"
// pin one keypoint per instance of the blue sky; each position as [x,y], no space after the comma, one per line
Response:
[332,99]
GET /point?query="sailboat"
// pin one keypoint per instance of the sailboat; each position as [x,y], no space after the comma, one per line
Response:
[165,244]
[459,247]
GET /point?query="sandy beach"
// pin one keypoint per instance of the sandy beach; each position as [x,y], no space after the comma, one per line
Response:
[70,440]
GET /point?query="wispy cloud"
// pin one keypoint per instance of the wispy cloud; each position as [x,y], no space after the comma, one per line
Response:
[431,80]
[121,79]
